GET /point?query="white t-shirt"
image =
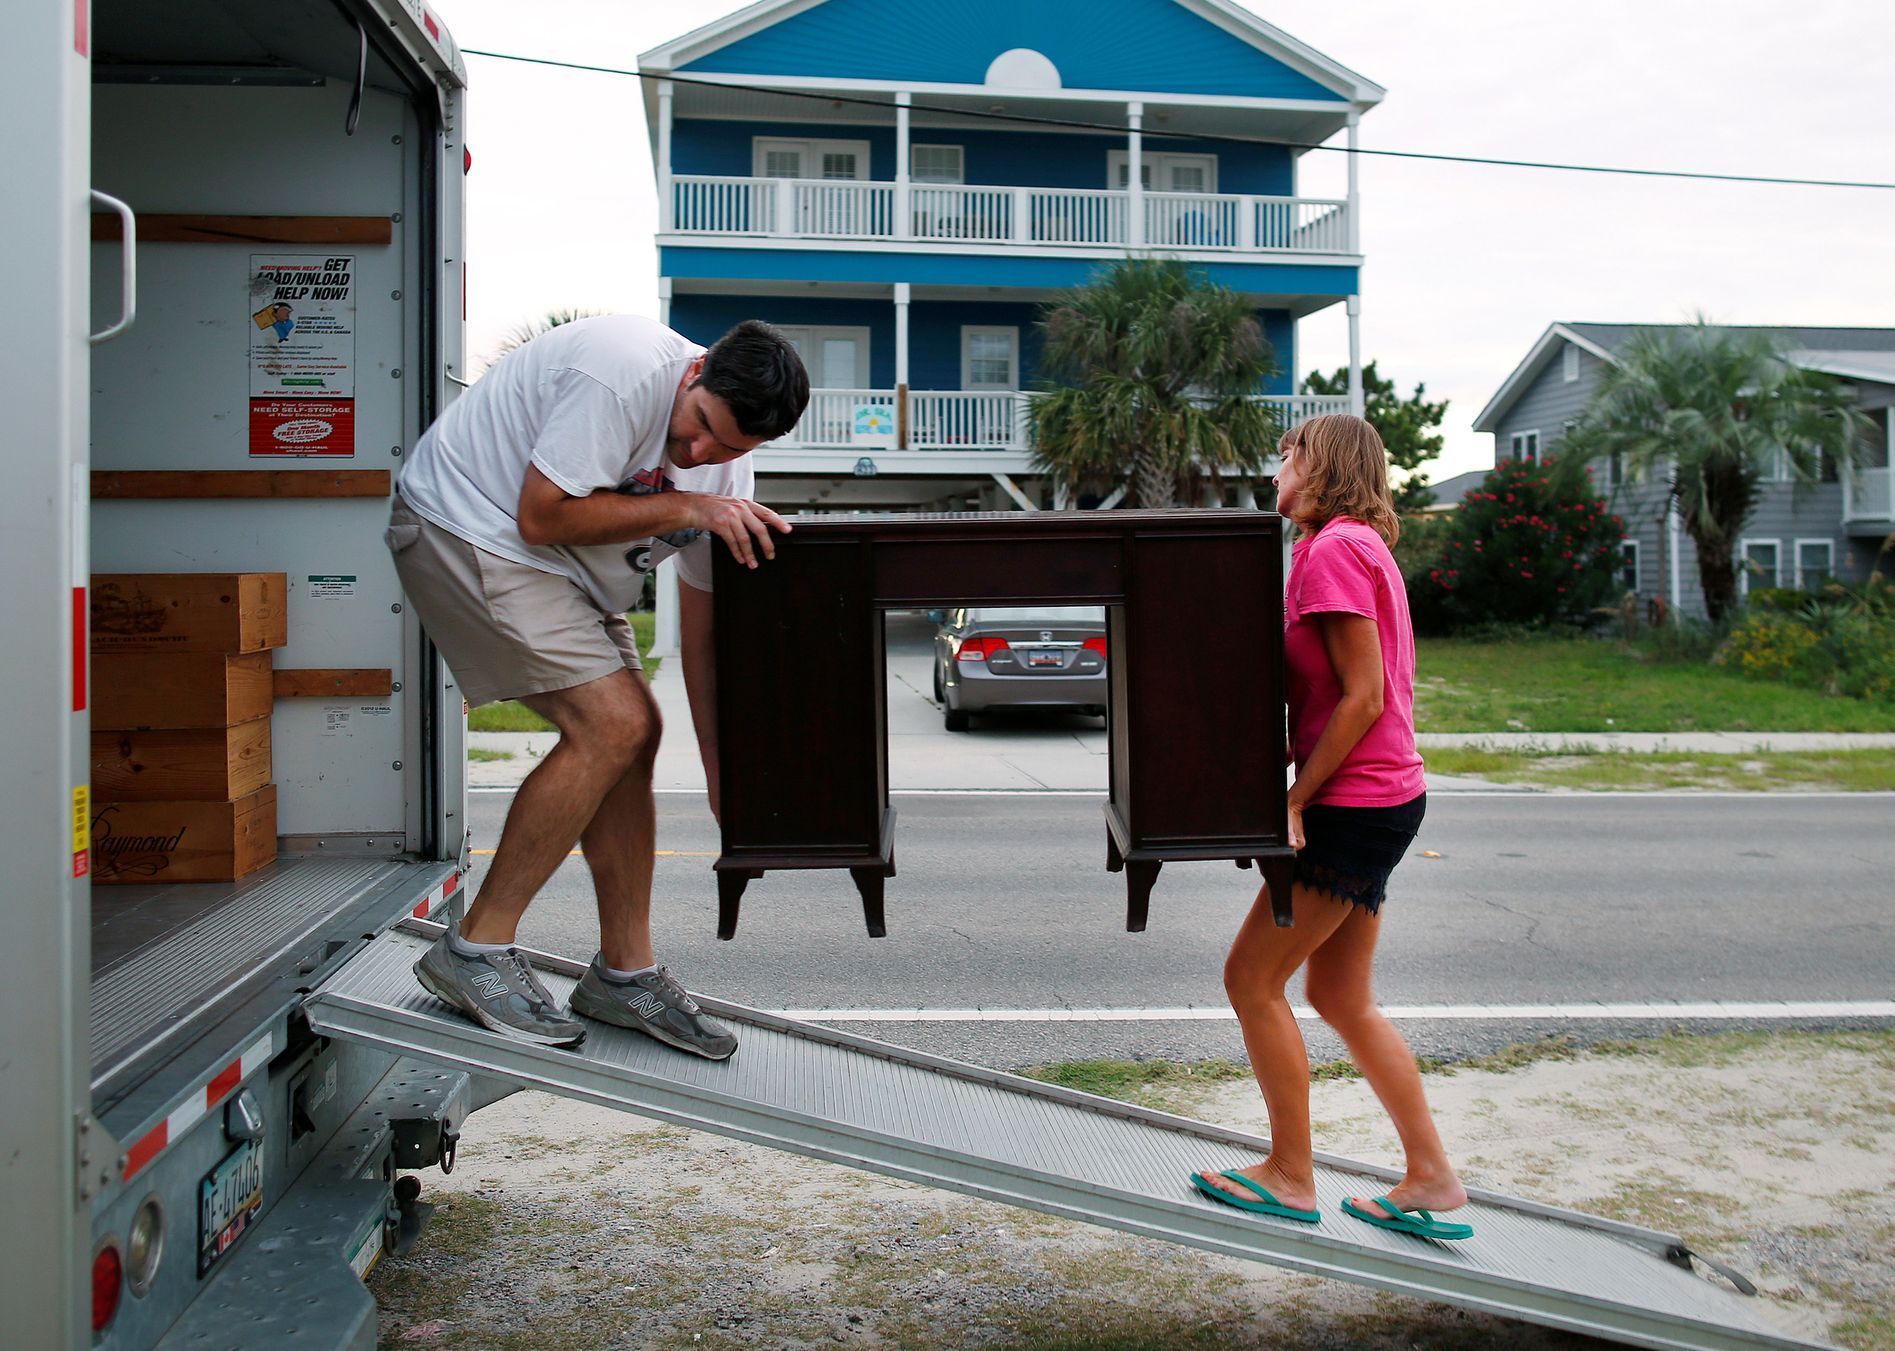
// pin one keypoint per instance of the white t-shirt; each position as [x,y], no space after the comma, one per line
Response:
[589,405]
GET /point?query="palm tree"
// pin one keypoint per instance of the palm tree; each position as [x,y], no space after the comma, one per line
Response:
[526,330]
[1710,411]
[1153,370]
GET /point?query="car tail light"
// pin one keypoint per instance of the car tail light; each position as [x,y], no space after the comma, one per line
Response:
[1096,645]
[979,649]
[108,1283]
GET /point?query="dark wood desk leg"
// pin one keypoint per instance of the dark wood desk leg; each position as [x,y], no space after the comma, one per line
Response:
[1140,875]
[730,890]
[1277,875]
[868,881]
[1114,861]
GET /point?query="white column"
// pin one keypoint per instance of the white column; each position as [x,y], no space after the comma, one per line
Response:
[1673,546]
[664,638]
[904,213]
[903,408]
[1355,196]
[1135,174]
[1357,400]
[666,207]
[664,301]
[904,292]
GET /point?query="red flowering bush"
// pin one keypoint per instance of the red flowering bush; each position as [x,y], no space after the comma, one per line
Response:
[1520,550]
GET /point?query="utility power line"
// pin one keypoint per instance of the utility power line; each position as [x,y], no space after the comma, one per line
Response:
[1076,124]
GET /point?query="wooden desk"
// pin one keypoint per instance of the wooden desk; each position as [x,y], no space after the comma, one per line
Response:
[1195,661]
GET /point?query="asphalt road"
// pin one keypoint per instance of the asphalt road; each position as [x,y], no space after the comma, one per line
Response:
[1003,901]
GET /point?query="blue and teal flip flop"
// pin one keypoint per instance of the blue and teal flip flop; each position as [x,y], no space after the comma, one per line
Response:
[1266,1204]
[1418,1222]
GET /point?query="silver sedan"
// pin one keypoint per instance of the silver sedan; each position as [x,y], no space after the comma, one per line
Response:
[1047,656]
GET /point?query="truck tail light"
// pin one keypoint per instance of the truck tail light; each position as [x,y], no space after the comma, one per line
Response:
[108,1284]
[1096,645]
[979,649]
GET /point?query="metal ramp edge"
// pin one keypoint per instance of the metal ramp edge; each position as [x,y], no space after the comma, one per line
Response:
[871,1105]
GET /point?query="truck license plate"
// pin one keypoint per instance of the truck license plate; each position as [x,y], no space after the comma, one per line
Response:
[228,1199]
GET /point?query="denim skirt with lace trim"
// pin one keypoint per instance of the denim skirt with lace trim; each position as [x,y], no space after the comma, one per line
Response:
[1348,852]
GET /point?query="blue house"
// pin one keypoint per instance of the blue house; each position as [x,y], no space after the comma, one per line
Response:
[1797,536]
[902,184]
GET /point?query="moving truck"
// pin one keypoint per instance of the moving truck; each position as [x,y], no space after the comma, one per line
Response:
[235,294]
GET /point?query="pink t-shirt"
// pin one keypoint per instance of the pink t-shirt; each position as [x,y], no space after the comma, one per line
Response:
[1346,567]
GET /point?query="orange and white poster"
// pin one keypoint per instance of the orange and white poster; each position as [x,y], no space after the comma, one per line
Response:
[302,355]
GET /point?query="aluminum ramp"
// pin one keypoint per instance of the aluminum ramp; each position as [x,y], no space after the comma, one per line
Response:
[810,1090]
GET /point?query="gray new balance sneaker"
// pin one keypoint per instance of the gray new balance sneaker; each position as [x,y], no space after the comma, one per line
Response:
[654,1004]
[498,990]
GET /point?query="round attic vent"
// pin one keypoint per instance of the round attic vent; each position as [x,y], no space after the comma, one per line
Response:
[1023,68]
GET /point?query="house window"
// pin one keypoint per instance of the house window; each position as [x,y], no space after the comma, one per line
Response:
[1162,172]
[936,164]
[1628,565]
[990,357]
[1526,446]
[1815,563]
[1759,564]
[774,158]
[836,358]
[1614,469]
[1569,363]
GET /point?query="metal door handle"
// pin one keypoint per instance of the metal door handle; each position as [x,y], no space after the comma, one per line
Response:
[128,280]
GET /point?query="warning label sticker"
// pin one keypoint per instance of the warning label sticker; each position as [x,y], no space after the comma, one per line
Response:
[82,830]
[302,355]
[333,586]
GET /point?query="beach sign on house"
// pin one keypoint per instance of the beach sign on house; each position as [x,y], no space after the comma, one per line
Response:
[874,425]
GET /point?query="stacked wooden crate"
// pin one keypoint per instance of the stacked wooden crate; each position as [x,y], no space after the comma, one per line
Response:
[181,698]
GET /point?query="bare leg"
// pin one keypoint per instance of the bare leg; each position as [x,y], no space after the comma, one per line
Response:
[1260,964]
[1340,990]
[620,843]
[604,727]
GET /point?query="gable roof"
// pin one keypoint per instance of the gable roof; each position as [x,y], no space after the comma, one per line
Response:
[1210,47]
[1851,353]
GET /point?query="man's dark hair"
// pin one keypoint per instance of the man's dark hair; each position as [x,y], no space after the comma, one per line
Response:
[754,369]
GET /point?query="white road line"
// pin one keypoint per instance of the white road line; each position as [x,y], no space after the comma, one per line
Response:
[1768,1010]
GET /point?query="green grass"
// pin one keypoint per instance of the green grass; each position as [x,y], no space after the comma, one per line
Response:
[509,715]
[480,755]
[1590,685]
[1607,771]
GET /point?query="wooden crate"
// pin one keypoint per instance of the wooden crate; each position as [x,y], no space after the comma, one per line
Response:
[223,612]
[179,689]
[149,842]
[203,763]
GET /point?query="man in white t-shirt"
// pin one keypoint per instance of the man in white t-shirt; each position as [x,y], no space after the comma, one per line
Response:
[525,523]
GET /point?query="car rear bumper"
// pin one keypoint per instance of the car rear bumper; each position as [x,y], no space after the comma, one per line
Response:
[979,690]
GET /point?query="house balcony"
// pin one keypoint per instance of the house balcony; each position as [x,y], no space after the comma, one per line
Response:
[999,218]
[942,431]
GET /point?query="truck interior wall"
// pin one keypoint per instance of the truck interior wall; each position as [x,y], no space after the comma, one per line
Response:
[173,394]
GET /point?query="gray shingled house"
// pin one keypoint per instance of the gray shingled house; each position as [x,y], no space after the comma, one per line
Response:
[1796,537]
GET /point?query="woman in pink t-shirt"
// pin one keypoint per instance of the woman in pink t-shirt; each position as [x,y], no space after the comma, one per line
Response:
[1358,800]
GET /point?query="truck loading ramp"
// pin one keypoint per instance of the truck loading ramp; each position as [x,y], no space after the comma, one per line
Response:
[830,1095]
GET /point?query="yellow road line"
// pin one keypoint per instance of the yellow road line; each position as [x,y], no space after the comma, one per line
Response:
[657,853]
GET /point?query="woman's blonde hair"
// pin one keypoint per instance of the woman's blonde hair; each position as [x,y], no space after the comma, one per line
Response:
[1345,473]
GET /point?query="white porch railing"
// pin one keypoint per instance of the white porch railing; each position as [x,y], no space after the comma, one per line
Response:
[851,419]
[1869,495]
[1080,217]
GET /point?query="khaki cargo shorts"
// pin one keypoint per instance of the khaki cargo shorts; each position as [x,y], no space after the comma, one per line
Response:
[505,629]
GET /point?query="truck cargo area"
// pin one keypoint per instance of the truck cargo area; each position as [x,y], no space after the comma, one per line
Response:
[244,143]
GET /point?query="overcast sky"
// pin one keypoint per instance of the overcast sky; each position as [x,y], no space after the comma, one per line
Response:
[1466,264]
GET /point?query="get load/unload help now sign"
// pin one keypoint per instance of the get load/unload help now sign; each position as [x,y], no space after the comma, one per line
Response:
[302,355]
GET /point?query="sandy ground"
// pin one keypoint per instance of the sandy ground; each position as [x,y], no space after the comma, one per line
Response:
[569,1225]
